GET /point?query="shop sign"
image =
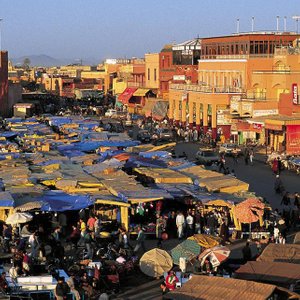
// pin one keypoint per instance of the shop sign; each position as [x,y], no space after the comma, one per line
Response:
[264,112]
[273,127]
[246,108]
[295,93]
[257,126]
[178,77]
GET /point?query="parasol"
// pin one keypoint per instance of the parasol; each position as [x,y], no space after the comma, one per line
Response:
[189,249]
[217,255]
[18,218]
[205,240]
[249,211]
[155,262]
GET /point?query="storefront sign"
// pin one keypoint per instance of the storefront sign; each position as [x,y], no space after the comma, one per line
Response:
[293,139]
[273,127]
[295,93]
[178,77]
[257,126]
[264,112]
[246,108]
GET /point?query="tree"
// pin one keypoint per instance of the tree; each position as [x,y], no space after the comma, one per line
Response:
[26,64]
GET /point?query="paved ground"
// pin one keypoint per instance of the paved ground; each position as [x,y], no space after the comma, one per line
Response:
[259,176]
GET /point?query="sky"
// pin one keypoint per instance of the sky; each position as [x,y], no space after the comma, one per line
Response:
[100,29]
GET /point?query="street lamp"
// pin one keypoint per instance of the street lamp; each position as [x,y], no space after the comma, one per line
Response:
[296,18]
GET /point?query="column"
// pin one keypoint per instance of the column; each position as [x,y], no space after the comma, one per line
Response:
[124,217]
[214,121]
[205,118]
[176,112]
[198,117]
[183,113]
[191,113]
[171,110]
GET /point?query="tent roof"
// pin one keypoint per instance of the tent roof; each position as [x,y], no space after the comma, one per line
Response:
[271,272]
[288,253]
[213,288]
[6,199]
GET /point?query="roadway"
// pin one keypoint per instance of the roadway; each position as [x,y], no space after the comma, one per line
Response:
[259,176]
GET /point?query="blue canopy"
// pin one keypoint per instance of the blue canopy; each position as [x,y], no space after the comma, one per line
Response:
[8,134]
[60,201]
[6,199]
[155,154]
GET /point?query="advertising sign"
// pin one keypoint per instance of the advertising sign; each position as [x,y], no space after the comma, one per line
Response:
[295,93]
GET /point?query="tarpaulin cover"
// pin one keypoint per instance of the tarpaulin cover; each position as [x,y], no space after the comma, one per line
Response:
[288,253]
[213,288]
[60,201]
[155,154]
[93,145]
[277,273]
[188,249]
[206,241]
[14,120]
[49,162]
[6,200]
[8,134]
[138,161]
[58,121]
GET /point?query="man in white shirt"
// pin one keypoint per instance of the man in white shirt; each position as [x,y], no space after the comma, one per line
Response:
[180,220]
[190,224]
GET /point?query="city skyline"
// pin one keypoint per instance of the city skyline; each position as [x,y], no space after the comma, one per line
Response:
[92,30]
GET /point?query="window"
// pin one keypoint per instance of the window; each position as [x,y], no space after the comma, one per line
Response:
[148,74]
[155,75]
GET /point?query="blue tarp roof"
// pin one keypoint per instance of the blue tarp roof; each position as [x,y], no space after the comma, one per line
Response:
[155,154]
[93,145]
[138,161]
[59,121]
[6,199]
[8,134]
[60,201]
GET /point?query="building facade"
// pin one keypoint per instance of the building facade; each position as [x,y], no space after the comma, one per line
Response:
[4,83]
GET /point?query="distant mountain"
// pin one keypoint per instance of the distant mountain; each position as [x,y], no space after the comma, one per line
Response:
[43,60]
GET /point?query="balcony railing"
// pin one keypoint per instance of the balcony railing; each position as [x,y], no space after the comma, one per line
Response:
[206,89]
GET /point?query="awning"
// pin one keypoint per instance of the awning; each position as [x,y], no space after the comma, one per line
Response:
[126,95]
[140,92]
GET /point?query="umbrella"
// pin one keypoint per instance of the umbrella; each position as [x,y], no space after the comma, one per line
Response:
[205,240]
[217,255]
[188,249]
[155,262]
[249,211]
[18,218]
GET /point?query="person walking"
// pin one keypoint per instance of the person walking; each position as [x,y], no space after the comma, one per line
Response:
[180,221]
[251,155]
[61,289]
[222,163]
[160,228]
[190,224]
[140,240]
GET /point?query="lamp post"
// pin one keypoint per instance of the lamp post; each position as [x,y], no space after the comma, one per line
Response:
[296,18]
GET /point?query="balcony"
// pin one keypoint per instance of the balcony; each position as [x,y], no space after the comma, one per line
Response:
[254,96]
[206,89]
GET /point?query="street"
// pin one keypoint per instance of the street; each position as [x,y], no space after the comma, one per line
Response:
[259,176]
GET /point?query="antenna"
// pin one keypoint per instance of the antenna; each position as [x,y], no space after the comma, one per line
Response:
[252,24]
[296,18]
[277,23]
[284,23]
[237,25]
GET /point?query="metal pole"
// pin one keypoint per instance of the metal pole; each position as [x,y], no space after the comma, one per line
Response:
[284,24]
[237,25]
[252,24]
[277,23]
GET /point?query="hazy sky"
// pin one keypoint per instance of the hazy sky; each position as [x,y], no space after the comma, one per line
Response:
[127,28]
